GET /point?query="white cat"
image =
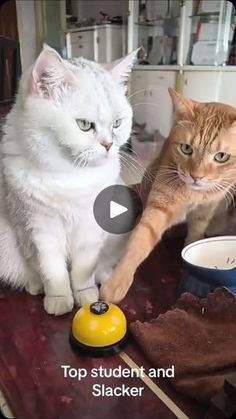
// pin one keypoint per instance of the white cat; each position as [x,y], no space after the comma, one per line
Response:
[60,149]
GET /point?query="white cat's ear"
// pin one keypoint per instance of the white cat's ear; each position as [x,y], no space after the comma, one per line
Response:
[181,104]
[49,74]
[121,68]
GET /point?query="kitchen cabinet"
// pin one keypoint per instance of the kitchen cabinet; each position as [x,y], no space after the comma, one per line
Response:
[101,43]
[150,99]
[210,86]
[189,45]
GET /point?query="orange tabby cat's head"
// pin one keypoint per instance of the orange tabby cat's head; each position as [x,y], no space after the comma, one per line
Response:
[203,143]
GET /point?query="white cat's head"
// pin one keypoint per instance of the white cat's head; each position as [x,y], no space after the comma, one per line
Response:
[79,104]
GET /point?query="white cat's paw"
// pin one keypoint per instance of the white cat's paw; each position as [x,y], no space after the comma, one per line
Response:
[58,305]
[86,296]
[34,287]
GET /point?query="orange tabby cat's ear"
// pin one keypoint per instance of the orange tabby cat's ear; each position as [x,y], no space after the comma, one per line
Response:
[182,105]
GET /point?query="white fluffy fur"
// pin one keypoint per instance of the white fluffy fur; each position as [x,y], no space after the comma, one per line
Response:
[51,173]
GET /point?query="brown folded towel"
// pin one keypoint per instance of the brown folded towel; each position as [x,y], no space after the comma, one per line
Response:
[198,337]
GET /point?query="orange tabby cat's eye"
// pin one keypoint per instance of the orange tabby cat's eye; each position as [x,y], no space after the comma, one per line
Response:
[186,149]
[221,157]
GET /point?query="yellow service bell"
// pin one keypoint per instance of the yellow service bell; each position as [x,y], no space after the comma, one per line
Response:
[99,329]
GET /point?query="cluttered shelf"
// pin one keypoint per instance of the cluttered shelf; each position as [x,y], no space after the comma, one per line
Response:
[193,33]
[190,67]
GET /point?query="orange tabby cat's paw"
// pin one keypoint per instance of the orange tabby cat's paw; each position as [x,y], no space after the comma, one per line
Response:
[114,290]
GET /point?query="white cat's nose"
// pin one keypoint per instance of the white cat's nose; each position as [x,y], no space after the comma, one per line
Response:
[106,145]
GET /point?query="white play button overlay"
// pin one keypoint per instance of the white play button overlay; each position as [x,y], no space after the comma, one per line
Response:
[116,209]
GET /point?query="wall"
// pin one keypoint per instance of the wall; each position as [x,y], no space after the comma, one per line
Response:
[91,8]
[26,30]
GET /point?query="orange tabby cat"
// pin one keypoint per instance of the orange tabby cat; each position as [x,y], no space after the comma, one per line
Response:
[196,170]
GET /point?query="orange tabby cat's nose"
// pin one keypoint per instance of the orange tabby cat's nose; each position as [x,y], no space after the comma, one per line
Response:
[196,176]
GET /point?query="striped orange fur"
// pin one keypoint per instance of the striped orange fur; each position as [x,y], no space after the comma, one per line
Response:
[196,170]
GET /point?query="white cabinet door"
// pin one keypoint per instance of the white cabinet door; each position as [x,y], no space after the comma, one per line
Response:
[150,99]
[80,44]
[114,50]
[51,23]
[227,91]
[210,86]
[138,96]
[82,50]
[201,86]
[82,37]
[101,45]
[108,41]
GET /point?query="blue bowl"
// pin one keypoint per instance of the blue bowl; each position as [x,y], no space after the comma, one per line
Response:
[211,263]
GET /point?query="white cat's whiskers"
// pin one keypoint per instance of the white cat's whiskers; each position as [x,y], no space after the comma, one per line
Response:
[143,169]
[145,103]
[143,90]
[136,165]
[82,159]
[135,171]
[79,160]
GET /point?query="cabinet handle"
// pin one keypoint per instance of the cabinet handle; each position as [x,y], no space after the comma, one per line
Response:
[80,37]
[186,82]
[150,93]
[81,46]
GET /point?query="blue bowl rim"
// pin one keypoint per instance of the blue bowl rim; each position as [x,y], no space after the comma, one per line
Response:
[210,239]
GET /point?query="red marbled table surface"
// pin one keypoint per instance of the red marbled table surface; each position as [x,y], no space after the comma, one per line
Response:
[34,345]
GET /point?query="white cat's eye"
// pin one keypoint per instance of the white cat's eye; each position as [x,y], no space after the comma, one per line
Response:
[85,125]
[117,123]
[221,157]
[186,149]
